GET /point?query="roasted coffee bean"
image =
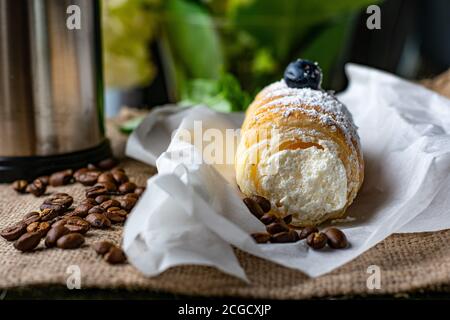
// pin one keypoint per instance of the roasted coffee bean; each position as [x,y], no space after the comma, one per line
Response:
[41,227]
[70,241]
[31,217]
[336,238]
[28,241]
[60,222]
[91,166]
[287,219]
[285,237]
[268,219]
[115,255]
[131,195]
[88,178]
[127,187]
[81,211]
[116,215]
[317,240]
[37,188]
[14,232]
[107,164]
[261,237]
[102,247]
[54,234]
[106,177]
[277,227]
[127,203]
[102,198]
[20,186]
[118,169]
[60,209]
[78,225]
[48,214]
[119,176]
[79,172]
[89,201]
[110,203]
[98,220]
[109,186]
[95,191]
[263,203]
[306,231]
[44,179]
[96,209]
[61,178]
[60,198]
[139,191]
[254,207]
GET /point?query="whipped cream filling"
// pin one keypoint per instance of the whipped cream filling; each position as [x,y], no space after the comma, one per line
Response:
[307,183]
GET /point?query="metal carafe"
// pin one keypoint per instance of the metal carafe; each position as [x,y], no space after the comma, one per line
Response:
[51,89]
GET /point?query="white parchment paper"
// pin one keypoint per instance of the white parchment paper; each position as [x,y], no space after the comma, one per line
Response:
[191,212]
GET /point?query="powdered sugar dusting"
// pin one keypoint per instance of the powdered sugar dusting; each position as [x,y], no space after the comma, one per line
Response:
[327,108]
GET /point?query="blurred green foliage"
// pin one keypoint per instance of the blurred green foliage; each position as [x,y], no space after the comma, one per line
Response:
[220,52]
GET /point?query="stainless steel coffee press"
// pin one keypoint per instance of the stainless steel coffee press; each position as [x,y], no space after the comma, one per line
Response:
[51,89]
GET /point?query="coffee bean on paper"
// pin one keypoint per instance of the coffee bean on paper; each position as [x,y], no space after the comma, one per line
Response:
[28,241]
[14,232]
[102,247]
[268,218]
[261,237]
[20,186]
[306,231]
[102,198]
[70,241]
[61,178]
[132,195]
[115,255]
[277,227]
[285,237]
[317,240]
[263,203]
[98,220]
[107,164]
[127,187]
[336,238]
[89,201]
[54,234]
[37,188]
[254,207]
[110,203]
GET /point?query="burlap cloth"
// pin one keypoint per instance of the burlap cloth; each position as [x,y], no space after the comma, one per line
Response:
[408,262]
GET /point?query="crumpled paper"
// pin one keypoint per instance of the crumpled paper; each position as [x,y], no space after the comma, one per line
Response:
[191,212]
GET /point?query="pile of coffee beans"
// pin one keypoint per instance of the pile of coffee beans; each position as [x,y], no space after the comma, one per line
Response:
[280,230]
[109,197]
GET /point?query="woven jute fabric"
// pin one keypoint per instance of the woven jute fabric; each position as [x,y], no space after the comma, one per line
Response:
[407,262]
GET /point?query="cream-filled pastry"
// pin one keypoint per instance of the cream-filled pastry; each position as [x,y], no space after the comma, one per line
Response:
[299,149]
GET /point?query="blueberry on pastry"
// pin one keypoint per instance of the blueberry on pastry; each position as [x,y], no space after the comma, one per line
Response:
[300,149]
